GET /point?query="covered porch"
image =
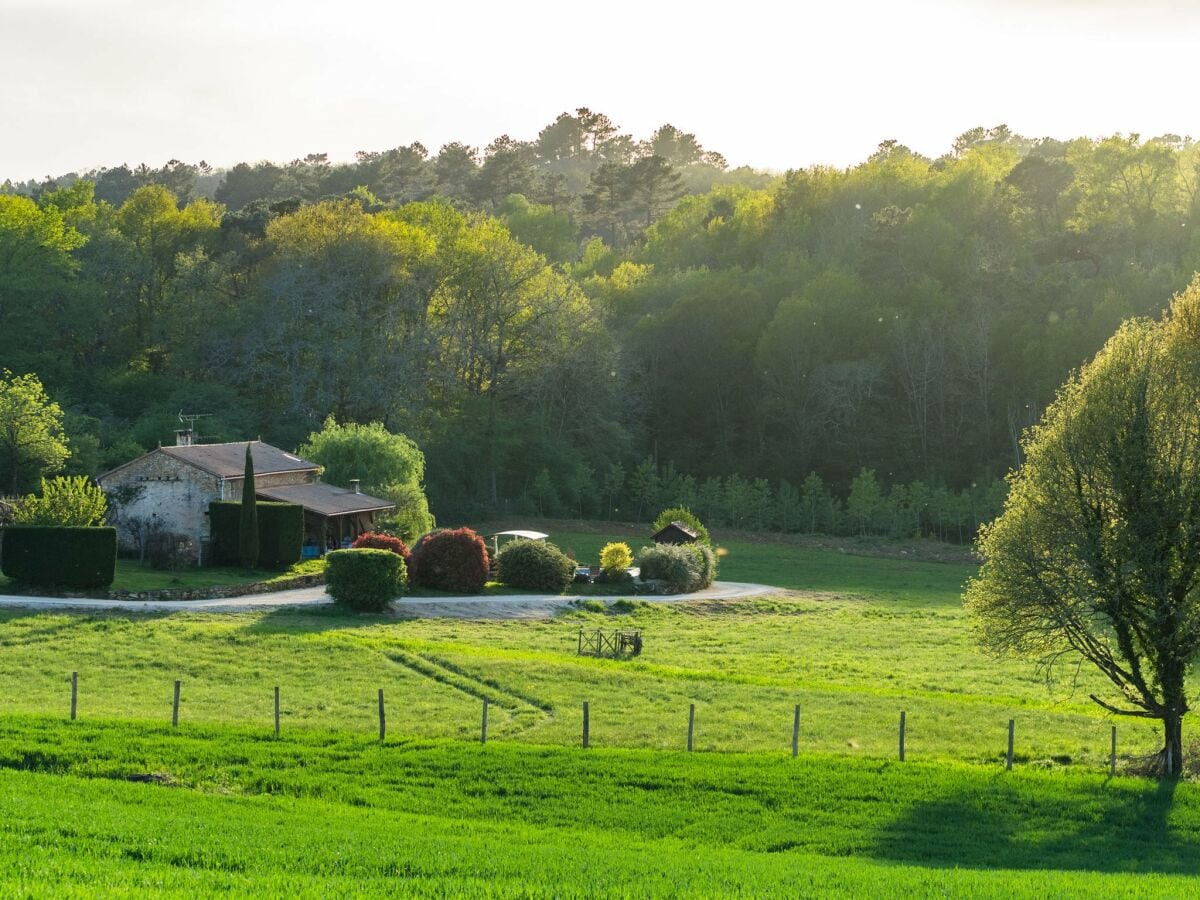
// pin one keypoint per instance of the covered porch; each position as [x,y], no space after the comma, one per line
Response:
[333,516]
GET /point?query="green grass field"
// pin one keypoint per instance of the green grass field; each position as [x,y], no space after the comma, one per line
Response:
[320,813]
[326,810]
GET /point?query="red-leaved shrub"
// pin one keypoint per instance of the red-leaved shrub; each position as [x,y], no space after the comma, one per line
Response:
[373,540]
[451,560]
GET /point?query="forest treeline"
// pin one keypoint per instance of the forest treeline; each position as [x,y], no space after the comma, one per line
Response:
[545,317]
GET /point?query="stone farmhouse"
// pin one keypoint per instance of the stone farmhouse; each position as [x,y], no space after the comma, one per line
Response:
[169,489]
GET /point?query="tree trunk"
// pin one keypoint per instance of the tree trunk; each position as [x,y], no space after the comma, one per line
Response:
[1172,762]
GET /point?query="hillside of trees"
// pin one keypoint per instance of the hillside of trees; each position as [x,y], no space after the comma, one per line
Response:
[591,325]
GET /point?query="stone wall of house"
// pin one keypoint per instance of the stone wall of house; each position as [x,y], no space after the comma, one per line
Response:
[173,497]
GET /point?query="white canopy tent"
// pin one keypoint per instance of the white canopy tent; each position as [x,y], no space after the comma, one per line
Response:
[513,535]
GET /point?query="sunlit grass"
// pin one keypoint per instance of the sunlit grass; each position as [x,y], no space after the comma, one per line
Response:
[862,640]
[318,813]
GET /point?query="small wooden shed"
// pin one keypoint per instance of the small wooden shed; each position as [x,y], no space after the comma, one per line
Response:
[676,533]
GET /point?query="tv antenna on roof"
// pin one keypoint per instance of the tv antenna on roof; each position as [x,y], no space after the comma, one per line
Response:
[189,420]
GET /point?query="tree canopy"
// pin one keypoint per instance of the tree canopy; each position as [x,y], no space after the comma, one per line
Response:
[542,315]
[32,441]
[387,465]
[1097,553]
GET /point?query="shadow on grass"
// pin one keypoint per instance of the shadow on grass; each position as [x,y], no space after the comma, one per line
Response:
[1122,827]
[307,619]
[68,621]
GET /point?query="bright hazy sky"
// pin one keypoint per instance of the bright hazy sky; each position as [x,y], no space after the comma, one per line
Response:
[88,83]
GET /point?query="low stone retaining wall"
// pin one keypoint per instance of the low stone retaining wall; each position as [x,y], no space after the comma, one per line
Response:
[220,592]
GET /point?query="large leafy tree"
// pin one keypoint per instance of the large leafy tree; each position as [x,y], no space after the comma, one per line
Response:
[1097,553]
[344,295]
[32,440]
[387,465]
[37,266]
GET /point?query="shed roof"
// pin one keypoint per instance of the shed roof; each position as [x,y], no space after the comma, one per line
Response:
[675,529]
[229,460]
[325,499]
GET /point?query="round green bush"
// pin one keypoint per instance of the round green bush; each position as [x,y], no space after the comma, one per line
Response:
[535,566]
[365,580]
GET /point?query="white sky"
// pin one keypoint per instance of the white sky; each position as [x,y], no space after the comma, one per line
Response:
[88,83]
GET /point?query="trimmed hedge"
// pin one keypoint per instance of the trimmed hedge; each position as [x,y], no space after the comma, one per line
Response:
[57,556]
[365,580]
[280,533]
[535,566]
[224,522]
[451,560]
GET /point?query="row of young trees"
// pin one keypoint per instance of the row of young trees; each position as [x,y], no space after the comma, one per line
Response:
[907,316]
[867,508]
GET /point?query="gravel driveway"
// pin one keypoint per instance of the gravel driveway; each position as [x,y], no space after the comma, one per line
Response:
[511,606]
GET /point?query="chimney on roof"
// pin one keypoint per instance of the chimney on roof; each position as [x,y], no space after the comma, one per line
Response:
[183,437]
[355,484]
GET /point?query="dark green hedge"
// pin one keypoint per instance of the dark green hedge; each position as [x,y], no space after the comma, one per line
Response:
[365,580]
[61,557]
[224,524]
[280,533]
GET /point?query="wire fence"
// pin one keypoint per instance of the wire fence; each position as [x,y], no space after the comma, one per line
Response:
[585,741]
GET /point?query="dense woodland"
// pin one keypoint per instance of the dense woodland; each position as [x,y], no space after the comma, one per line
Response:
[588,324]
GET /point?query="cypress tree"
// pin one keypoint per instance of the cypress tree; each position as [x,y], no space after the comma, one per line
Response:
[248,532]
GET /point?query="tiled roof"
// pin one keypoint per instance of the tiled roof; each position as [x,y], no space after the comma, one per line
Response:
[325,499]
[229,460]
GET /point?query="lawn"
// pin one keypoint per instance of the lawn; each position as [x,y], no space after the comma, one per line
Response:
[863,640]
[133,576]
[853,640]
[222,809]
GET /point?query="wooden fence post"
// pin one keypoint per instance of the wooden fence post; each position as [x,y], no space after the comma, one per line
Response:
[901,735]
[579,650]
[276,711]
[382,720]
[691,724]
[1112,759]
[483,729]
[585,724]
[1008,761]
[796,733]
[74,693]
[175,707]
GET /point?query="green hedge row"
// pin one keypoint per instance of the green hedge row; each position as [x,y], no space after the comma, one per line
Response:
[58,556]
[280,533]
